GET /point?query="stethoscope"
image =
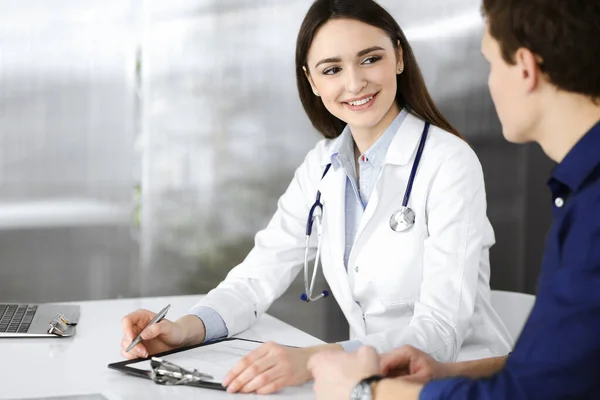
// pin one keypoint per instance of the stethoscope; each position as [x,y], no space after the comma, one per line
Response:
[401,220]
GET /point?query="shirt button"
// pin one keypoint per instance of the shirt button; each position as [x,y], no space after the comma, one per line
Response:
[356,269]
[559,202]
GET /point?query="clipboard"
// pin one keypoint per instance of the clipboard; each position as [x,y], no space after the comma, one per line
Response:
[124,366]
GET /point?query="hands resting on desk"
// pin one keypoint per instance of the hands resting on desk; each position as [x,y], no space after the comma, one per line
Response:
[405,370]
[268,369]
[271,367]
[336,375]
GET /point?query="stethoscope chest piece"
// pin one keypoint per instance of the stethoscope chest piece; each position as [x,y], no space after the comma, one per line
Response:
[402,220]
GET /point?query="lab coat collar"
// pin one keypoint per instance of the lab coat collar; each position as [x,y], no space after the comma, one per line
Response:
[334,147]
[401,149]
[405,142]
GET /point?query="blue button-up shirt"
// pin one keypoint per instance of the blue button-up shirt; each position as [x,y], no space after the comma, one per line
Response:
[557,355]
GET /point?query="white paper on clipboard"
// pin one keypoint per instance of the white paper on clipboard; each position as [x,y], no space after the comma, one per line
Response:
[214,359]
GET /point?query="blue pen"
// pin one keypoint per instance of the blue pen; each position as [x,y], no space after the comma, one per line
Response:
[157,318]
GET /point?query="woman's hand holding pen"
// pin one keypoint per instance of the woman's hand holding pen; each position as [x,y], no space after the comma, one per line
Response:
[162,336]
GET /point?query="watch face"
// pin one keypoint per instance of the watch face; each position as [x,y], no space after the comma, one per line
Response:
[362,391]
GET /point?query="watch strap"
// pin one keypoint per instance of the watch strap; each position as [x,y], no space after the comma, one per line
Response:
[371,379]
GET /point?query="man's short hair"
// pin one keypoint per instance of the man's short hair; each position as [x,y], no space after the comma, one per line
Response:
[563,34]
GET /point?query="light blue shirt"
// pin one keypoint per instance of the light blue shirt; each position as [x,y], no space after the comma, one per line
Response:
[358,192]
[370,164]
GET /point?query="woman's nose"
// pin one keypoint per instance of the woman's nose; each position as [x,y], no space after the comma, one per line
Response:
[355,80]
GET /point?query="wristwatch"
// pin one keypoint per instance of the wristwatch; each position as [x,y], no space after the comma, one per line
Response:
[362,390]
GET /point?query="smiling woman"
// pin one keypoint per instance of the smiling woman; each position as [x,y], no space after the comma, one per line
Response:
[400,277]
[368,45]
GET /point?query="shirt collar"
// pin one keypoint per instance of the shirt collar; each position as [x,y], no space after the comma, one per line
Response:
[580,161]
[342,151]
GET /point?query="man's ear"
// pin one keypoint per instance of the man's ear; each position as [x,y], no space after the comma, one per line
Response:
[310,81]
[528,64]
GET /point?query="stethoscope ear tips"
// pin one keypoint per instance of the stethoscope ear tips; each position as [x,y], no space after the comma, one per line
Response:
[325,293]
[304,297]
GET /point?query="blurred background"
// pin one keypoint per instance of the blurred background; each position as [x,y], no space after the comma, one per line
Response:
[143,143]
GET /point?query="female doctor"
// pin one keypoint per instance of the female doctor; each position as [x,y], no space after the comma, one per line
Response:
[404,234]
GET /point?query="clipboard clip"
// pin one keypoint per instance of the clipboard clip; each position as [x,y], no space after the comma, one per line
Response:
[59,325]
[166,373]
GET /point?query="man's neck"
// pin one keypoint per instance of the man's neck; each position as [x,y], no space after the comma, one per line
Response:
[564,123]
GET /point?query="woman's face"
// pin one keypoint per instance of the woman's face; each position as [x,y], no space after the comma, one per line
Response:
[353,67]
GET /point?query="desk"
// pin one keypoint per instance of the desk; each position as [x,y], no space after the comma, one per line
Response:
[78,365]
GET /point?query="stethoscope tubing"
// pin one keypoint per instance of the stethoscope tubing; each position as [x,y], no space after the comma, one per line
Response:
[307,296]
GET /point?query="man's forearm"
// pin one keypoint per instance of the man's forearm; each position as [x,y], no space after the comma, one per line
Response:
[396,388]
[399,388]
[476,368]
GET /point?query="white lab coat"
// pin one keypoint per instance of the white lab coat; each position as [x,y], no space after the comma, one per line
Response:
[427,287]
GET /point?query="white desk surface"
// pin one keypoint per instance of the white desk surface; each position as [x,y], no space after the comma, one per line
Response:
[37,368]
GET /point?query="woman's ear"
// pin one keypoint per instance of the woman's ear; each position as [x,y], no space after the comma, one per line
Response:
[399,59]
[310,81]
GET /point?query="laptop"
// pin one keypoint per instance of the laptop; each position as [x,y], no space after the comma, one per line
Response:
[36,320]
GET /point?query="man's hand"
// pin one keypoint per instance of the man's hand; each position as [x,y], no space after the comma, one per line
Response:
[412,365]
[336,373]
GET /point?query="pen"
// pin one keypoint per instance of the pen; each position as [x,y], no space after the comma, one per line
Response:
[157,318]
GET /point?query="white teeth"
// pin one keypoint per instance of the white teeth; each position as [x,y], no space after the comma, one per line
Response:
[360,102]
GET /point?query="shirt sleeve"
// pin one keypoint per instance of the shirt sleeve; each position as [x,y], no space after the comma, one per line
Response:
[213,323]
[558,353]
[351,345]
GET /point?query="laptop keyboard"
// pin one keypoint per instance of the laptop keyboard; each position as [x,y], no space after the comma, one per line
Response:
[16,318]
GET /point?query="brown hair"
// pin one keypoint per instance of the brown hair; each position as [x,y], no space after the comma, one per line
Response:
[411,93]
[563,34]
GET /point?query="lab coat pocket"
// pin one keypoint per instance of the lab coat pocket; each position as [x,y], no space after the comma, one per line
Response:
[399,302]
[395,271]
[398,308]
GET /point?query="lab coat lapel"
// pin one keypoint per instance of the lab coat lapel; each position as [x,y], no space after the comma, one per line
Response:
[333,192]
[332,188]
[401,151]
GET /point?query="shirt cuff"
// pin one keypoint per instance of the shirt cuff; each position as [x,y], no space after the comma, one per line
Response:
[444,389]
[351,345]
[213,323]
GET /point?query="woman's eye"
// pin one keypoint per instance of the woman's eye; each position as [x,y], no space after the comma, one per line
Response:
[371,60]
[331,70]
